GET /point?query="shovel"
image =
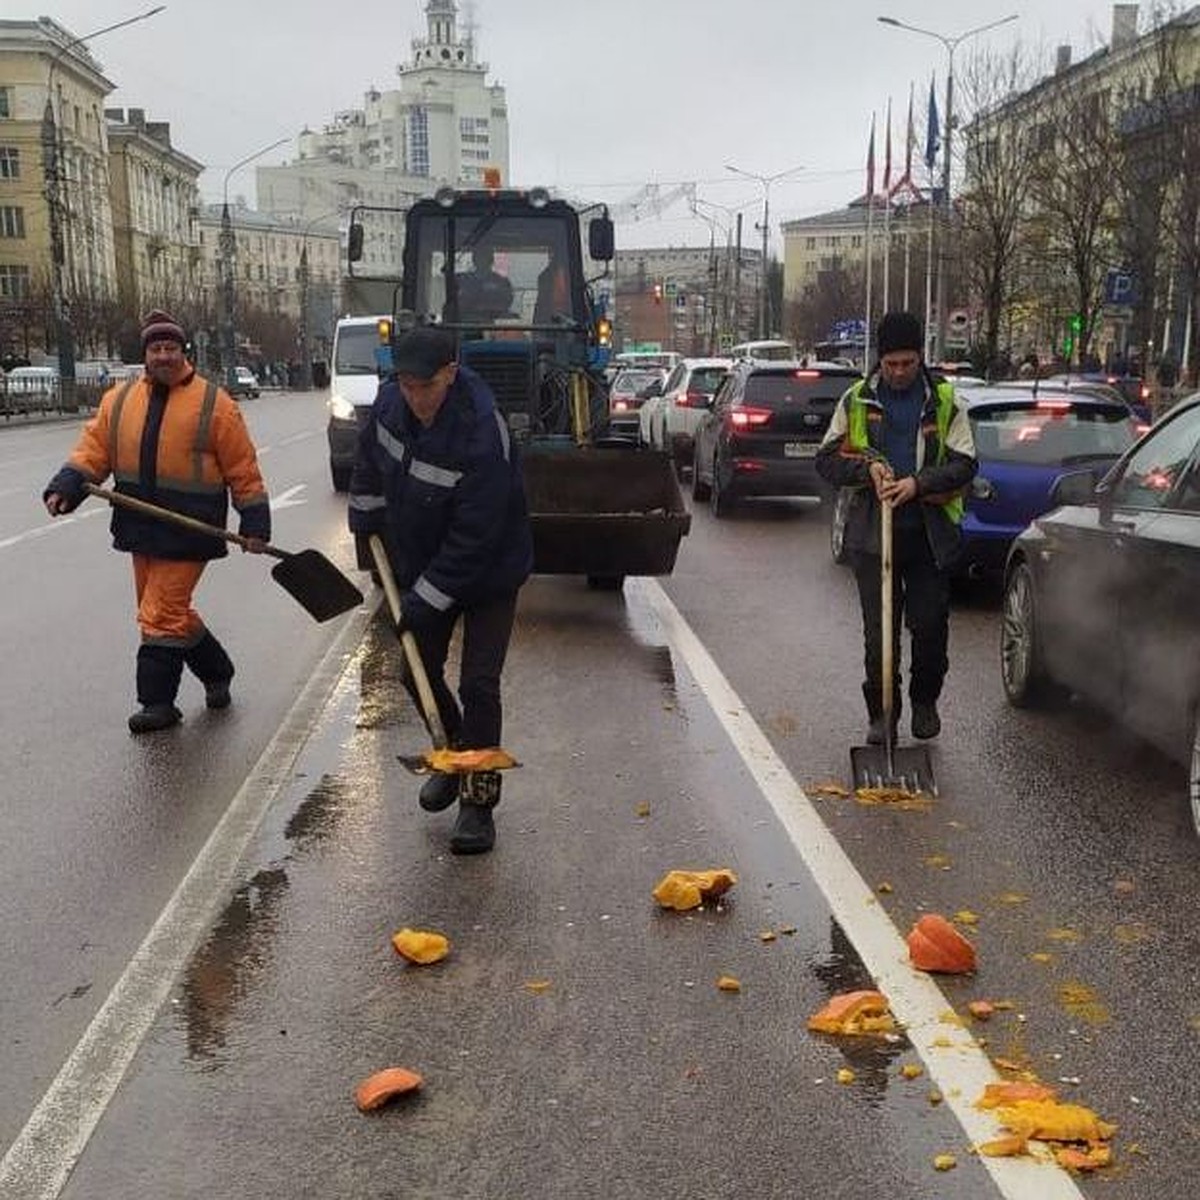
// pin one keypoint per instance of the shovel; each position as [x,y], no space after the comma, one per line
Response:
[443,759]
[889,767]
[308,576]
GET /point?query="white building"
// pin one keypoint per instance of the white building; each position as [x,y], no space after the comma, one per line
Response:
[444,125]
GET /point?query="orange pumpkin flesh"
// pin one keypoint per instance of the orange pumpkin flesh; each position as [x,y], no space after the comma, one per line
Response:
[854,1013]
[376,1090]
[454,762]
[935,945]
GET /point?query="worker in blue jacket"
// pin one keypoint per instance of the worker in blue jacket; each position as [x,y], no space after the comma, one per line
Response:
[439,479]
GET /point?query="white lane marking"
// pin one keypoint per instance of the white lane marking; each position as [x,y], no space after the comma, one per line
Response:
[41,1159]
[960,1069]
[52,524]
[289,499]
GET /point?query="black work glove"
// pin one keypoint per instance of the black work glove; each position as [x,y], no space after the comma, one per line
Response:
[415,614]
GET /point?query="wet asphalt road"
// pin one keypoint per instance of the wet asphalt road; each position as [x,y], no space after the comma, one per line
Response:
[630,1074]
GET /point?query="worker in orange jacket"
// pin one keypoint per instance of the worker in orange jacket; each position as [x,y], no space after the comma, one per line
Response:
[179,441]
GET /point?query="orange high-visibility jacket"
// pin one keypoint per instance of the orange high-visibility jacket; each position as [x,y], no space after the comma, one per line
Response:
[186,448]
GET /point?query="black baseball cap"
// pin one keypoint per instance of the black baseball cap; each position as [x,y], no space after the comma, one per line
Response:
[423,352]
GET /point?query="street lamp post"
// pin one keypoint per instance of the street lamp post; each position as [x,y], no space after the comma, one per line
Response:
[227,245]
[951,44]
[305,279]
[765,181]
[54,171]
[722,281]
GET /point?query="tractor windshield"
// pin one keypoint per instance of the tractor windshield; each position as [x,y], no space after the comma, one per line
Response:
[497,272]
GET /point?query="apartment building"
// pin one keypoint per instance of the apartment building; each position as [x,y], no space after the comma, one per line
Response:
[444,125]
[56,229]
[155,200]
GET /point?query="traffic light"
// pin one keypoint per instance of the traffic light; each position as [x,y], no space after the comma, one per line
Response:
[658,293]
[1076,323]
[604,332]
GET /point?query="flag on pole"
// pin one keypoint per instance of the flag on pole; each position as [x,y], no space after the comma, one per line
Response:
[887,152]
[871,161]
[932,130]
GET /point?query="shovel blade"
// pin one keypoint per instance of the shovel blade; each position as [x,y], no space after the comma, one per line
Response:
[910,769]
[309,577]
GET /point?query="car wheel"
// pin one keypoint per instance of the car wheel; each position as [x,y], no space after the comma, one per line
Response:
[700,489]
[1022,671]
[1194,772]
[341,477]
[837,526]
[721,498]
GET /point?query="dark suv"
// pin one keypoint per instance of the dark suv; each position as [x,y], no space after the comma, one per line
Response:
[760,434]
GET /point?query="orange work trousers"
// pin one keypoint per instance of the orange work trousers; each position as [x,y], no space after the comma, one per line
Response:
[164,598]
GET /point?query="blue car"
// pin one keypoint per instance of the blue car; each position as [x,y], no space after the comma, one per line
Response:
[1024,440]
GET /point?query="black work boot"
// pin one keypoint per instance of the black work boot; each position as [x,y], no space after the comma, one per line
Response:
[210,664]
[154,717]
[926,723]
[438,792]
[158,672]
[474,831]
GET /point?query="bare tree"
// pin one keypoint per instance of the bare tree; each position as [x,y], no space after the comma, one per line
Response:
[836,296]
[1001,158]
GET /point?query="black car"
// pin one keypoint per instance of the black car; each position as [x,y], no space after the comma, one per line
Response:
[1100,593]
[760,434]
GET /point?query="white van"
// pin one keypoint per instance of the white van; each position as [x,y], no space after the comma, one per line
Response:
[769,350]
[361,349]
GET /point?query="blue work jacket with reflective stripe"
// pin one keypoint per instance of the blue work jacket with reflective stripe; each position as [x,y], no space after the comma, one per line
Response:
[449,500]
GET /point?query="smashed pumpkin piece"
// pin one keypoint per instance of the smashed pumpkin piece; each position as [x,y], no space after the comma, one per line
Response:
[727,983]
[935,945]
[854,1013]
[1091,1159]
[682,890]
[981,1010]
[377,1090]
[1004,1147]
[457,762]
[1050,1121]
[945,1162]
[420,946]
[1013,1092]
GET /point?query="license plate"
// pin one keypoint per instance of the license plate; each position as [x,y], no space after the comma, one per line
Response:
[799,449]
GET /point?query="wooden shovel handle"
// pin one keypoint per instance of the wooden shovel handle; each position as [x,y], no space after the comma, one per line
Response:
[176,518]
[437,731]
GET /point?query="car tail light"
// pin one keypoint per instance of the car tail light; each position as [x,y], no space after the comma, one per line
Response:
[808,374]
[748,466]
[1058,406]
[620,406]
[690,399]
[1144,392]
[749,418]
[1141,427]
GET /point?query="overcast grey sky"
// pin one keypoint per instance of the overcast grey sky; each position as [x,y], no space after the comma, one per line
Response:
[604,97]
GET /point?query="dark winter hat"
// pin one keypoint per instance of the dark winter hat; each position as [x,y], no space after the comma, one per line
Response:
[424,352]
[159,326]
[900,331]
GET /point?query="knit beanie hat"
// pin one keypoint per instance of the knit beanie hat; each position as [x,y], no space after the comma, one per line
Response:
[159,326]
[900,331]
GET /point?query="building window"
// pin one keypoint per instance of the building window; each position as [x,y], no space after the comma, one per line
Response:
[12,222]
[14,282]
[418,142]
[5,102]
[10,162]
[810,243]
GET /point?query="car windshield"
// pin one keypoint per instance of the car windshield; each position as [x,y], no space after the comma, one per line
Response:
[356,346]
[635,381]
[1051,432]
[795,387]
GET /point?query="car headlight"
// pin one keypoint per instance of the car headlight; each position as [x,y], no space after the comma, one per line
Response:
[340,408]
